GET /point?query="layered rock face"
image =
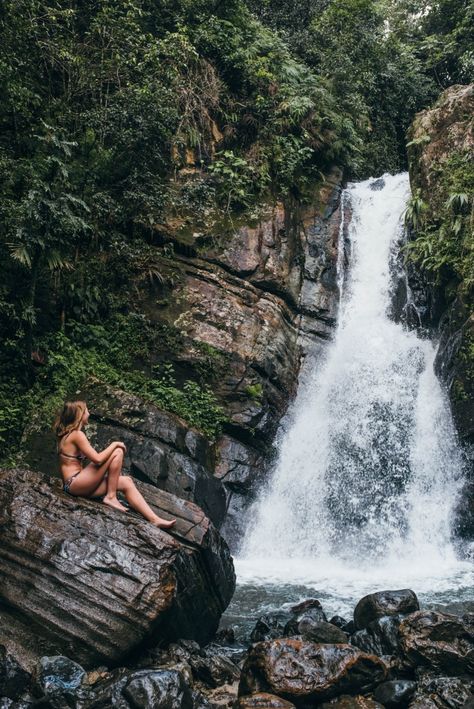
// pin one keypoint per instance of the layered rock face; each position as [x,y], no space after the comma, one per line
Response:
[435,136]
[260,295]
[95,584]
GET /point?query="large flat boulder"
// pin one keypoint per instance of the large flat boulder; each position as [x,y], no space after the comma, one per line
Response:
[82,580]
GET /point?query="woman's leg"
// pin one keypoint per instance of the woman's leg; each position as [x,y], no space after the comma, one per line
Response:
[90,481]
[113,475]
[137,501]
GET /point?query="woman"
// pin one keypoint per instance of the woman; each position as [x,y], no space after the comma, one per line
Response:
[102,477]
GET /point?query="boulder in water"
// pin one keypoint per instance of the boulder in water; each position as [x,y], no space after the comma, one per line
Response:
[269,627]
[305,672]
[309,610]
[339,621]
[396,693]
[438,640]
[318,631]
[376,605]
[78,578]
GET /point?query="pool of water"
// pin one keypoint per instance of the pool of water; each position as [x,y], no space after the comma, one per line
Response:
[339,590]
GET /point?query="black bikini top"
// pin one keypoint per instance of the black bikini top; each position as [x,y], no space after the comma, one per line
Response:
[81,456]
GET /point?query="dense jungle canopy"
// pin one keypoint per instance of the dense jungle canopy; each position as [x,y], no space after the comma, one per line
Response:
[124,122]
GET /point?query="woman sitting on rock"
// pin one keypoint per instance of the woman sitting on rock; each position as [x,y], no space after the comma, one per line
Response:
[103,476]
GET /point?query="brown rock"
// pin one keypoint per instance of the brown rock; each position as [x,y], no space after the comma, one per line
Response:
[442,641]
[85,581]
[348,702]
[304,672]
[263,700]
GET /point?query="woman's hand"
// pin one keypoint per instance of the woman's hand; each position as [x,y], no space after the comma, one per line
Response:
[121,444]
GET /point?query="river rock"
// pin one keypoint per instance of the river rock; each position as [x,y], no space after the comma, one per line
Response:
[348,702]
[396,693]
[438,640]
[444,693]
[269,627]
[380,637]
[309,610]
[376,605]
[318,631]
[14,680]
[83,580]
[339,621]
[304,672]
[263,700]
[59,674]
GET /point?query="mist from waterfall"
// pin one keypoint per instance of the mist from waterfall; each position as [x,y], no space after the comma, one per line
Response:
[369,468]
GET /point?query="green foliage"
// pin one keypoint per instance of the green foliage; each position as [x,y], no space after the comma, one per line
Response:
[444,237]
[255,391]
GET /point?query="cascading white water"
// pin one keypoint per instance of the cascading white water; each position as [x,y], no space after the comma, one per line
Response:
[369,467]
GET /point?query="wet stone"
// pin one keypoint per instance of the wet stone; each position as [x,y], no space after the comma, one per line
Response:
[269,627]
[59,674]
[382,603]
[396,693]
[160,689]
[380,637]
[321,632]
[263,700]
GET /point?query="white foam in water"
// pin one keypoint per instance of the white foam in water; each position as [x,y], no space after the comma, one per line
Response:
[369,468]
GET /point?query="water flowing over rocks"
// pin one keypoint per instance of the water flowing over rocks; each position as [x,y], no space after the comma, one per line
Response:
[85,581]
[258,295]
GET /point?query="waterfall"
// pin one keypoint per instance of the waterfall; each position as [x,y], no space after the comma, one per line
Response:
[369,467]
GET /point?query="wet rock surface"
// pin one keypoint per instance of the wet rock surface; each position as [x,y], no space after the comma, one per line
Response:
[440,641]
[384,603]
[85,581]
[273,674]
[305,672]
[263,700]
[395,693]
[380,636]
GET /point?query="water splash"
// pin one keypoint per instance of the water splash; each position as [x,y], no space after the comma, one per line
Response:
[369,467]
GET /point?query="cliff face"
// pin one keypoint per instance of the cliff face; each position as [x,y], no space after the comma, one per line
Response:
[436,136]
[255,299]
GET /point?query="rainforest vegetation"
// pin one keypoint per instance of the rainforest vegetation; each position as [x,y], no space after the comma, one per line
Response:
[124,123]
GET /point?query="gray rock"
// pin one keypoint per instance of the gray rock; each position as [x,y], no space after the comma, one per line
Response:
[321,632]
[59,674]
[396,693]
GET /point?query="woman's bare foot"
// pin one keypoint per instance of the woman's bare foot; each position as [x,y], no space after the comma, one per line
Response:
[113,502]
[163,523]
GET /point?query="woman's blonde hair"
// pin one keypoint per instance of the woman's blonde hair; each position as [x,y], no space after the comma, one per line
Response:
[69,418]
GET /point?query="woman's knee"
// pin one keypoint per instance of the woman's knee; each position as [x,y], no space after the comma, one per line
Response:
[126,483]
[117,454]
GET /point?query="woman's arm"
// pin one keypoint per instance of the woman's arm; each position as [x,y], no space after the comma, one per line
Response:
[80,439]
